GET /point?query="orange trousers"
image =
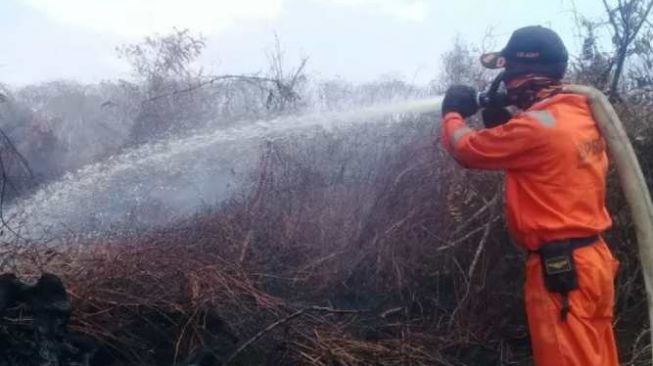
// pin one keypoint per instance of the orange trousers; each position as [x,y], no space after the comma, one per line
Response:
[586,338]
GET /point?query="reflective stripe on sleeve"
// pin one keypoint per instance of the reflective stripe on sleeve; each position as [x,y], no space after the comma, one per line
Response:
[459,133]
[544,117]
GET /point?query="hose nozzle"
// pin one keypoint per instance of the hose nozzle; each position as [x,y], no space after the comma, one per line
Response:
[491,98]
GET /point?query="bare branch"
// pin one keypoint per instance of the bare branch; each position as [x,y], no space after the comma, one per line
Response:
[282,321]
[299,71]
[479,250]
[613,20]
[206,83]
[644,18]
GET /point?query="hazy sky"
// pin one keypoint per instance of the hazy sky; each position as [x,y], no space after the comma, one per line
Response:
[359,40]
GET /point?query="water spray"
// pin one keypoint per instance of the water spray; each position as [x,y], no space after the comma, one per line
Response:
[129,176]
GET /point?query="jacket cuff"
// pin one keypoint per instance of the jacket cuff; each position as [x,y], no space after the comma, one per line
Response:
[452,115]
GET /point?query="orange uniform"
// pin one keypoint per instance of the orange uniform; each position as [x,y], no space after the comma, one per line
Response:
[556,163]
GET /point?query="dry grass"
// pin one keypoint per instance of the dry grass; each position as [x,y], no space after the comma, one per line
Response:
[414,250]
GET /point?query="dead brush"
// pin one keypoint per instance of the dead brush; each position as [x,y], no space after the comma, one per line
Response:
[402,262]
[154,302]
[397,243]
[324,347]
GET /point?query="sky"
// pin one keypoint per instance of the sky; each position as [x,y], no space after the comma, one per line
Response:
[356,40]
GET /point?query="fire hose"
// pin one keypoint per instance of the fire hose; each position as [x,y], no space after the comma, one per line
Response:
[632,181]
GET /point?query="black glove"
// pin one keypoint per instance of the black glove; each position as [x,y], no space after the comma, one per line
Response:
[495,116]
[461,99]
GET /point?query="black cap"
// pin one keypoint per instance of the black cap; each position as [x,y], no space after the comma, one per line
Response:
[535,46]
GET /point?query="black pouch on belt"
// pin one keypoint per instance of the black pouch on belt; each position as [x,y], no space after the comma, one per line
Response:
[559,271]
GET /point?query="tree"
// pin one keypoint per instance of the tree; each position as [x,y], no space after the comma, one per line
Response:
[592,66]
[461,65]
[626,18]
[177,97]
[162,65]
[283,91]
[160,58]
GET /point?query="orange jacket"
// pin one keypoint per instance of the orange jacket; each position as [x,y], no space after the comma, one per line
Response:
[555,163]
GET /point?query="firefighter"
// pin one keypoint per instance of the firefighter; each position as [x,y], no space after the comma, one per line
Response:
[555,165]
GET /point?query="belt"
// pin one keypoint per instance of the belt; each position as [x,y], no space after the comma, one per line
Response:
[574,243]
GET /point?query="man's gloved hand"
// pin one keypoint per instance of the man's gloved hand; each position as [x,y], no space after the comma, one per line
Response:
[461,99]
[495,116]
